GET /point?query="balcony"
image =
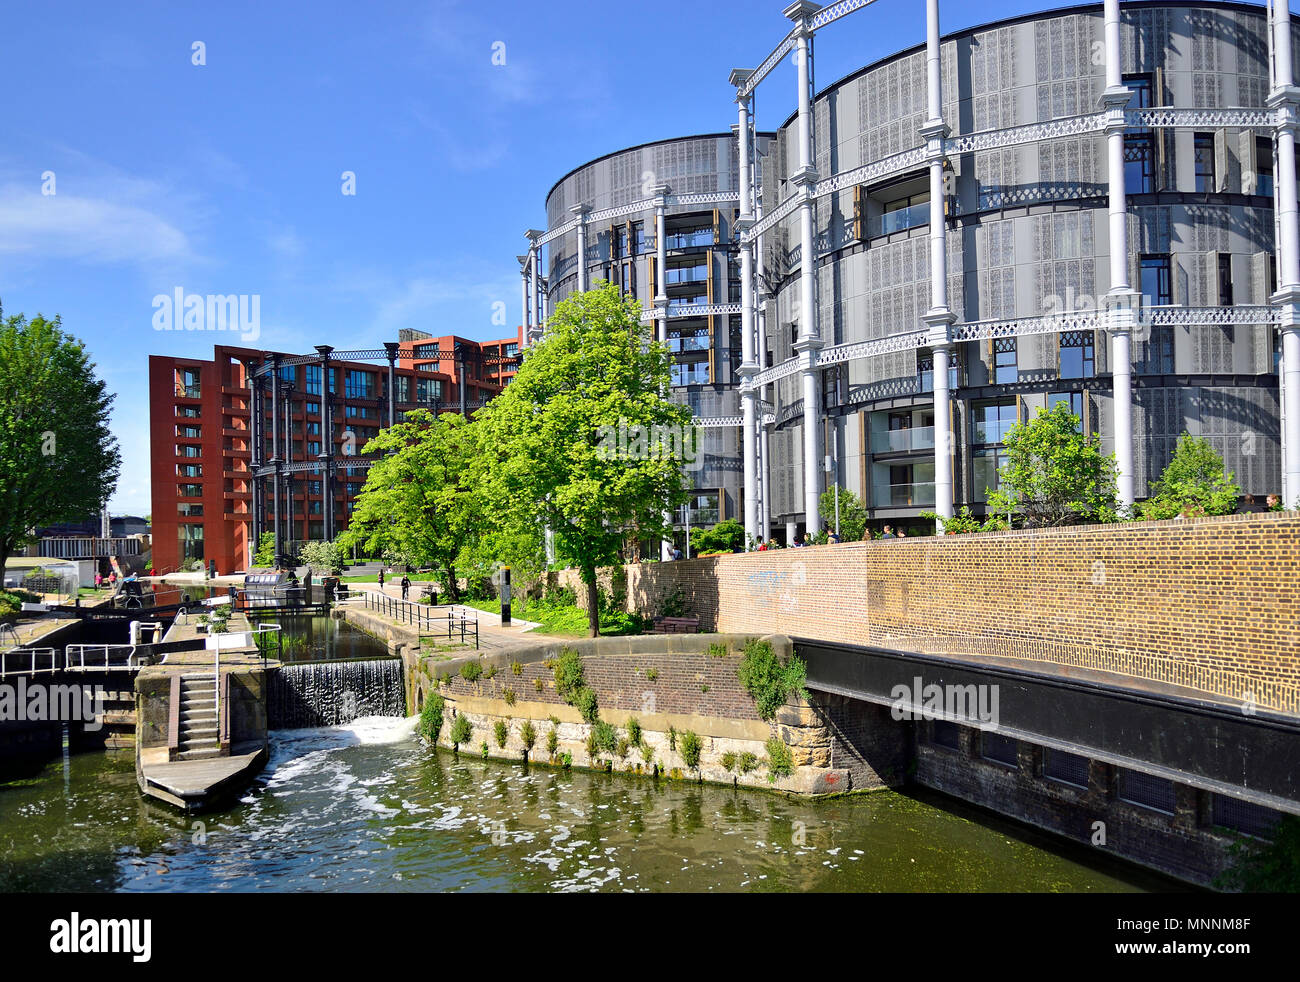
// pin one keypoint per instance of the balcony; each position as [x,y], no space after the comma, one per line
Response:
[903,496]
[689,240]
[915,438]
[900,220]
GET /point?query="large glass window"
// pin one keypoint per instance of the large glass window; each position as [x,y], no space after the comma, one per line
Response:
[992,421]
[702,509]
[188,384]
[696,373]
[189,470]
[1004,361]
[1203,155]
[190,540]
[1154,280]
[1078,356]
[925,373]
[695,272]
[688,339]
[1225,281]
[313,380]
[901,214]
[1263,185]
[689,238]
[1139,163]
[1072,399]
[358,384]
[189,490]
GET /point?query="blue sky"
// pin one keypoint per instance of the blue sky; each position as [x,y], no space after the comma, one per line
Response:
[226,177]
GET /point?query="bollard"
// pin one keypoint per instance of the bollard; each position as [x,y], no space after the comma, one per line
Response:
[505,596]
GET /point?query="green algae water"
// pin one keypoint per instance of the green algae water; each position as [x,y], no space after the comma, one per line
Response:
[367,807]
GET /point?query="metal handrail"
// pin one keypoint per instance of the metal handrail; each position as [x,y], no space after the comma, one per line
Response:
[32,669]
[108,649]
[418,615]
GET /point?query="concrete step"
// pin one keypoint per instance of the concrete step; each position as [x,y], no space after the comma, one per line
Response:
[204,730]
[204,754]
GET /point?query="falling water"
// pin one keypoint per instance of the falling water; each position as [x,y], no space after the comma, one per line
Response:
[313,694]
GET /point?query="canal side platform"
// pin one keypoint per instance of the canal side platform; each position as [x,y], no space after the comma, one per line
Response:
[201,733]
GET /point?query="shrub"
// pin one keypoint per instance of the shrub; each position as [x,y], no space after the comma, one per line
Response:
[674,604]
[692,745]
[568,674]
[553,720]
[566,760]
[483,750]
[528,736]
[461,730]
[672,738]
[593,745]
[622,748]
[585,702]
[501,730]
[718,650]
[767,681]
[552,742]
[490,672]
[471,671]
[1194,481]
[633,731]
[1265,867]
[606,736]
[509,697]
[539,685]
[729,761]
[516,668]
[779,761]
[747,762]
[651,674]
[725,537]
[431,718]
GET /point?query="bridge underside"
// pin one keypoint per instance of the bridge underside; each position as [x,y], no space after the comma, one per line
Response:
[1238,751]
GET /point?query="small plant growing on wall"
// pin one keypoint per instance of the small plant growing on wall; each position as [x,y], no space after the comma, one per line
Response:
[509,697]
[586,704]
[566,760]
[606,736]
[593,745]
[572,687]
[622,748]
[516,668]
[461,731]
[501,730]
[769,682]
[431,718]
[718,650]
[652,674]
[528,736]
[692,746]
[672,738]
[490,672]
[779,761]
[747,762]
[539,685]
[483,750]
[471,671]
[633,731]
[552,742]
[729,761]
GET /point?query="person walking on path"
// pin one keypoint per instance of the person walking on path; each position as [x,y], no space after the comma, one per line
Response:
[406,586]
[381,579]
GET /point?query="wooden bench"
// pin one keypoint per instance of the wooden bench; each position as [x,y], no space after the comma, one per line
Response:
[676,625]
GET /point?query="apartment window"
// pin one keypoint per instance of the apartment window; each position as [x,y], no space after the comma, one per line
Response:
[702,509]
[903,213]
[831,387]
[190,540]
[185,450]
[1139,163]
[313,448]
[313,428]
[1004,361]
[188,384]
[512,350]
[696,271]
[696,373]
[188,510]
[358,384]
[945,733]
[1078,356]
[189,470]
[1225,281]
[1203,156]
[1263,185]
[999,749]
[992,421]
[1141,86]
[1065,767]
[403,389]
[189,432]
[1155,281]
[925,373]
[287,373]
[426,351]
[188,412]
[638,241]
[1146,791]
[313,380]
[1244,816]
[690,238]
[189,491]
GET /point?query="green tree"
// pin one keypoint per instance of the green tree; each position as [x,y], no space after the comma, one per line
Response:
[325,557]
[1054,475]
[415,502]
[727,536]
[265,555]
[853,515]
[1194,480]
[550,451]
[58,461]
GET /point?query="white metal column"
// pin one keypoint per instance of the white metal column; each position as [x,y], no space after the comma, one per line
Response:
[1284,100]
[748,366]
[810,343]
[660,192]
[580,212]
[523,297]
[939,318]
[1121,302]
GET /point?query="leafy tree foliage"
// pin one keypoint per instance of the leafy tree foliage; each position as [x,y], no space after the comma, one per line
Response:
[727,536]
[58,461]
[853,514]
[544,460]
[416,501]
[1054,475]
[1194,481]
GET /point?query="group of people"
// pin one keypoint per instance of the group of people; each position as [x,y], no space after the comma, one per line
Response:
[405,583]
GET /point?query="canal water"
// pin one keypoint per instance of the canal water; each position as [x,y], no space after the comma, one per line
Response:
[368,807]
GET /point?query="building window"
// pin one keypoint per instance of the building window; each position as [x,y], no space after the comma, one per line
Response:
[831,387]
[694,373]
[189,470]
[638,238]
[189,412]
[313,380]
[702,509]
[358,384]
[190,540]
[1155,281]
[189,432]
[900,214]
[313,448]
[1146,791]
[512,350]
[1004,361]
[925,373]
[992,421]
[689,238]
[1072,399]
[188,510]
[188,384]
[1263,184]
[1203,155]
[1225,281]
[1139,163]
[999,749]
[186,450]
[945,733]
[1065,768]
[1244,816]
[1078,357]
[189,491]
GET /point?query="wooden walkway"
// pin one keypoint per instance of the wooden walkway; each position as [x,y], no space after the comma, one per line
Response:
[197,785]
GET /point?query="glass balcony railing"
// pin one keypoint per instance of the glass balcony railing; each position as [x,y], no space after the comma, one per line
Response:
[686,274]
[903,496]
[699,516]
[688,240]
[902,441]
[901,219]
[994,431]
[678,345]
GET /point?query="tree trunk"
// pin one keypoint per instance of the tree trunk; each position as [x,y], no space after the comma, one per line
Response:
[4,558]
[452,589]
[593,602]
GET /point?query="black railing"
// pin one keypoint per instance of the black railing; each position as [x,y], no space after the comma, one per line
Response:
[433,625]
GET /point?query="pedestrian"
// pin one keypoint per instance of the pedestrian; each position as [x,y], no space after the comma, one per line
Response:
[1274,502]
[406,586]
[866,534]
[762,547]
[835,538]
[381,579]
[677,553]
[888,532]
[902,534]
[99,579]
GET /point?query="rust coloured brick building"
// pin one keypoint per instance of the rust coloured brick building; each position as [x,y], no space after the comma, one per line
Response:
[211,481]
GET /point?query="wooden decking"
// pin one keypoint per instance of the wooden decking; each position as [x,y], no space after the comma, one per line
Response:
[197,785]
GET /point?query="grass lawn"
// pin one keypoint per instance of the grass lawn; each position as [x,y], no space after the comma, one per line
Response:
[562,621]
